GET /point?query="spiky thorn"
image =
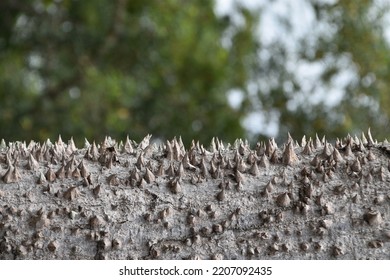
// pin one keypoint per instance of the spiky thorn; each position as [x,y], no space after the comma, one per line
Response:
[71,147]
[187,164]
[128,147]
[12,175]
[327,151]
[213,146]
[149,176]
[289,156]
[307,149]
[145,142]
[271,146]
[86,143]
[303,141]
[317,142]
[32,164]
[370,140]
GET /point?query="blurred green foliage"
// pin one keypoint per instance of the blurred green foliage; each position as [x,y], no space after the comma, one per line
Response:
[131,67]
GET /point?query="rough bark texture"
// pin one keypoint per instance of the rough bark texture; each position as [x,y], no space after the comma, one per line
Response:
[311,200]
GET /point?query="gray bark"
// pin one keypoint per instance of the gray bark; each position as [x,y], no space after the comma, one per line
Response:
[311,200]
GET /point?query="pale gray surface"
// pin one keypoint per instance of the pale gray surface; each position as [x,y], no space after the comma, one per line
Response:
[141,201]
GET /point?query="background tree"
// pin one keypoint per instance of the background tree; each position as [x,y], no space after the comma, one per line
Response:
[349,50]
[91,68]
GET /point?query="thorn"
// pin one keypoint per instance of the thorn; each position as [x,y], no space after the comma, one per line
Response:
[370,140]
[289,156]
[264,162]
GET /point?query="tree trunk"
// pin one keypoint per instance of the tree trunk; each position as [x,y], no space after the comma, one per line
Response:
[147,201]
